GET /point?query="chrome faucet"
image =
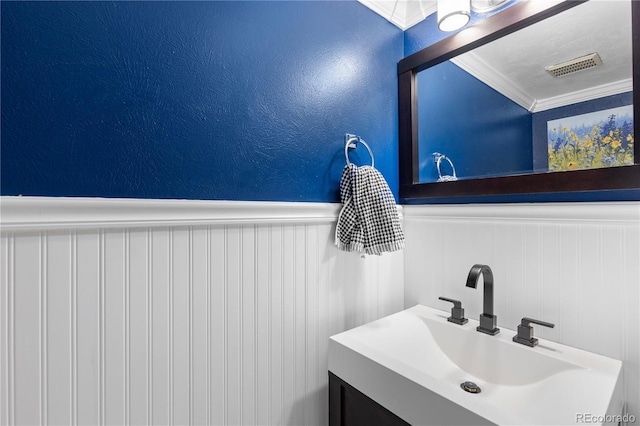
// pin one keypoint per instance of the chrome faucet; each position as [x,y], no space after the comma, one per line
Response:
[487,319]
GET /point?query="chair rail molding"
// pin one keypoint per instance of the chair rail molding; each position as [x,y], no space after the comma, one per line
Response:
[47,213]
[614,212]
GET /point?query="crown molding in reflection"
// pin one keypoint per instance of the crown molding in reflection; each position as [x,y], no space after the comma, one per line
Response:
[601,91]
[474,65]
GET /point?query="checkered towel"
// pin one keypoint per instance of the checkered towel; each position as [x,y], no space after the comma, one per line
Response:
[368,222]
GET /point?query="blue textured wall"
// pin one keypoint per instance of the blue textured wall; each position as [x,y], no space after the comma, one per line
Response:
[482,131]
[195,100]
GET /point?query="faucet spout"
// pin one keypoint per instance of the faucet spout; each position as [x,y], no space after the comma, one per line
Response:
[472,281]
[487,319]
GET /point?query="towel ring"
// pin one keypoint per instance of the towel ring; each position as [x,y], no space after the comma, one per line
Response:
[438,159]
[350,142]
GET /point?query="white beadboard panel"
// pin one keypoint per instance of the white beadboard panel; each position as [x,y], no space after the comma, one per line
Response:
[248,321]
[4,331]
[7,333]
[115,333]
[218,322]
[263,327]
[29,363]
[179,327]
[199,325]
[87,328]
[138,327]
[631,316]
[233,331]
[180,323]
[575,265]
[276,321]
[59,328]
[288,322]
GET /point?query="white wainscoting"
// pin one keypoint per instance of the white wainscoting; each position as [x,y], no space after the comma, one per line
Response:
[575,265]
[177,312]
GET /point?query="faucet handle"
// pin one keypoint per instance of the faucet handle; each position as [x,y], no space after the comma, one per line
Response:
[525,331]
[457,312]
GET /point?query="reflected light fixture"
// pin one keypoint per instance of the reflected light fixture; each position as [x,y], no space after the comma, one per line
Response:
[453,14]
[484,6]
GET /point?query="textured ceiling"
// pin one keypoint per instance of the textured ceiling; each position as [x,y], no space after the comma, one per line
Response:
[517,62]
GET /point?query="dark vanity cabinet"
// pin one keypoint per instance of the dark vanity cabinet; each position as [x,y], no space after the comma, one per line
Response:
[350,407]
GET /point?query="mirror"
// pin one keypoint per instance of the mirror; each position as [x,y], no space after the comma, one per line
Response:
[515,133]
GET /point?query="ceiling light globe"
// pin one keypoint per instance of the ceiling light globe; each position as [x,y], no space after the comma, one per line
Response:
[453,14]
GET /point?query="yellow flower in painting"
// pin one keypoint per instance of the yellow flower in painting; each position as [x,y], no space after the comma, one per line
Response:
[629,138]
[607,139]
[616,144]
[588,143]
[564,129]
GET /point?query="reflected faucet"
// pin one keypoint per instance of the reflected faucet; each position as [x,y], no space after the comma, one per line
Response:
[487,319]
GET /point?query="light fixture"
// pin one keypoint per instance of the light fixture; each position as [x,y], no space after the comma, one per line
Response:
[453,14]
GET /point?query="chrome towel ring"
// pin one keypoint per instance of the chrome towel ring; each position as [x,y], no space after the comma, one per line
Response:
[350,142]
[437,157]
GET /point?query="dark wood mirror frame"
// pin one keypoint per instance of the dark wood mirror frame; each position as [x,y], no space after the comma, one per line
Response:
[509,20]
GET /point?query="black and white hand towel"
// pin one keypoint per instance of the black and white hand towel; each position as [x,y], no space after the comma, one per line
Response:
[368,222]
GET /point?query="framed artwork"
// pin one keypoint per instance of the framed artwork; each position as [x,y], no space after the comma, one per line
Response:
[589,141]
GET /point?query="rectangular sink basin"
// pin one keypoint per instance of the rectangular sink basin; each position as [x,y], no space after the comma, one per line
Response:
[414,362]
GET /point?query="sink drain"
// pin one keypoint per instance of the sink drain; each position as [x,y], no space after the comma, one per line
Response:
[470,387]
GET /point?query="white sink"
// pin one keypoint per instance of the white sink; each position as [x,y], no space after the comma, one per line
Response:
[413,363]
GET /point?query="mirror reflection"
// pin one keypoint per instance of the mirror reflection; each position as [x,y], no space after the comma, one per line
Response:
[555,96]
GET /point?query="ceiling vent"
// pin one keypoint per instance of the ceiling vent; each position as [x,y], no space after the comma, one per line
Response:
[575,65]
